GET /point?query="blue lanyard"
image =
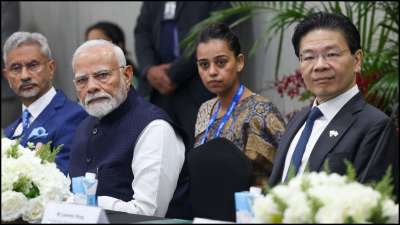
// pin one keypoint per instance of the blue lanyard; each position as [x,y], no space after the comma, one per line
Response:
[228,113]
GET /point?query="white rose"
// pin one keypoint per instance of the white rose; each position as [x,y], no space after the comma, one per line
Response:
[298,210]
[5,145]
[12,205]
[330,214]
[7,176]
[296,182]
[34,210]
[53,184]
[23,166]
[265,210]
[284,192]
[391,210]
[322,178]
[359,200]
[325,194]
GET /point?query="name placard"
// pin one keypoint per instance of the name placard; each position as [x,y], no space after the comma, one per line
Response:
[72,213]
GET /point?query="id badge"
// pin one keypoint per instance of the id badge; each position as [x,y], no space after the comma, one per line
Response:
[169,10]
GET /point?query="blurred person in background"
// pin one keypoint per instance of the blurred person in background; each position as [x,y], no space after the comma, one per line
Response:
[112,32]
[175,84]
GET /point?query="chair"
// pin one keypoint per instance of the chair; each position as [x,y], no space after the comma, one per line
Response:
[217,170]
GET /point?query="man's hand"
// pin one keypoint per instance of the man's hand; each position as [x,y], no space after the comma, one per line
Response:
[167,87]
[156,74]
[38,146]
[159,80]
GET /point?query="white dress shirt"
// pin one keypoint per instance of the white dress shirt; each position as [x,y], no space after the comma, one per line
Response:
[36,108]
[329,109]
[157,161]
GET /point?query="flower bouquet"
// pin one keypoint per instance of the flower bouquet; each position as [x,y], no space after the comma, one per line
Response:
[29,179]
[327,198]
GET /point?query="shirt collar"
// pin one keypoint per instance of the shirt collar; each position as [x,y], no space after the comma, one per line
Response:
[40,104]
[331,107]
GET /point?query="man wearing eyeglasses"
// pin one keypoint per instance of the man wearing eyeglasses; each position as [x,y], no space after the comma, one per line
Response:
[339,125]
[47,114]
[133,146]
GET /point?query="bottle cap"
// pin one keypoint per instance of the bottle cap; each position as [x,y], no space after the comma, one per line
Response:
[255,190]
[90,175]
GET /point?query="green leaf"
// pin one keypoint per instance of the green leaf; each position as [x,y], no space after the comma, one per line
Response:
[290,174]
[385,186]
[307,168]
[276,218]
[315,204]
[305,184]
[376,215]
[349,219]
[326,167]
[33,191]
[47,154]
[281,205]
[27,187]
[13,150]
[350,171]
[266,188]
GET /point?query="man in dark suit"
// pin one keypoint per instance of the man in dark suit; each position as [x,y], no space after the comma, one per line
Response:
[48,115]
[339,125]
[174,80]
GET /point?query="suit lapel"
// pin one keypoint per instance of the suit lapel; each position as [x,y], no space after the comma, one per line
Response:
[284,144]
[343,120]
[45,115]
[10,130]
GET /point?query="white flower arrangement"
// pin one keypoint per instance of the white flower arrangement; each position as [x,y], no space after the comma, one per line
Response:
[29,179]
[326,198]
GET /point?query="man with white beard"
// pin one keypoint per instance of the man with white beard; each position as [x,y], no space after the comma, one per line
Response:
[47,114]
[132,145]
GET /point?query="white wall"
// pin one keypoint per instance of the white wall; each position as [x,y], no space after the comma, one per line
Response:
[64,24]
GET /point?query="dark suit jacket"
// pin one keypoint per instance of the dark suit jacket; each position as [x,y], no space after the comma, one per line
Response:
[59,119]
[147,34]
[190,92]
[366,137]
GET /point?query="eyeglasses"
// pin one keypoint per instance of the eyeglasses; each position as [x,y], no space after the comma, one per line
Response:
[330,56]
[33,67]
[101,76]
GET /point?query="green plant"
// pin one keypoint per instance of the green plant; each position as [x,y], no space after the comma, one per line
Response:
[378,24]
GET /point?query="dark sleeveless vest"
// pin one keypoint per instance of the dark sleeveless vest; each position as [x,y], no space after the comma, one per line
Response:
[106,146]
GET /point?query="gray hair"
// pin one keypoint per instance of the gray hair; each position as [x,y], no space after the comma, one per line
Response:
[24,38]
[99,42]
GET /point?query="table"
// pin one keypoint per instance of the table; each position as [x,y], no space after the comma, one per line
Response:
[127,218]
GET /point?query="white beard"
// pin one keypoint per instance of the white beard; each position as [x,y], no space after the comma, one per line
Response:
[29,94]
[104,107]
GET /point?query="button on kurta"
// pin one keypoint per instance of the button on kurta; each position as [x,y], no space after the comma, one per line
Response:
[88,160]
[94,132]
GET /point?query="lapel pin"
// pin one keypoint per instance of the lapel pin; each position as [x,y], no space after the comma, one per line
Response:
[333,133]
